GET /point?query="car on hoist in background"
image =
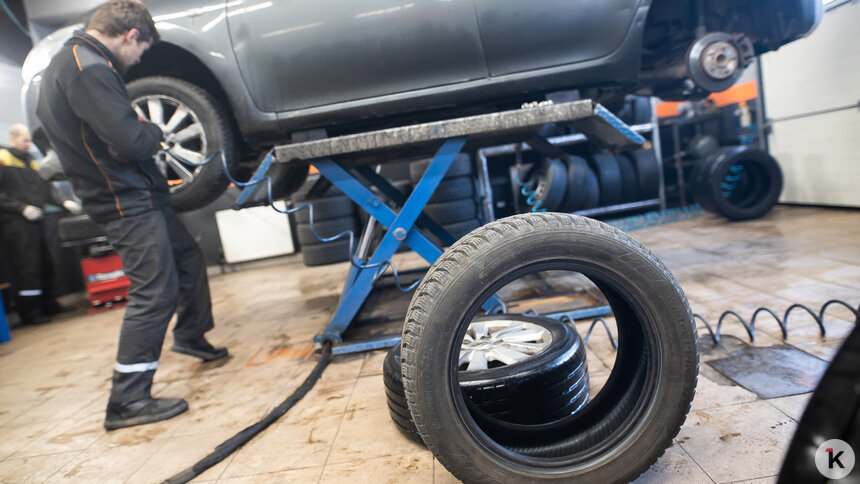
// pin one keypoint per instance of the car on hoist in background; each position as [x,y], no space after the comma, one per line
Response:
[244,76]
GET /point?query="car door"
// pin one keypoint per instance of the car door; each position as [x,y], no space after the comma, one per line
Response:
[296,54]
[522,35]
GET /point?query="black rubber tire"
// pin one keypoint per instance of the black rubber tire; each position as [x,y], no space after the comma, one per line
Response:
[833,412]
[325,209]
[624,428]
[397,406]
[549,180]
[460,229]
[325,229]
[629,180]
[702,145]
[592,193]
[211,180]
[699,190]
[78,227]
[641,106]
[608,173]
[458,188]
[511,397]
[577,184]
[445,213]
[326,253]
[647,173]
[547,387]
[461,166]
[756,192]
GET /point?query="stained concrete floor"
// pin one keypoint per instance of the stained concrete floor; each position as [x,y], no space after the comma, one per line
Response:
[54,378]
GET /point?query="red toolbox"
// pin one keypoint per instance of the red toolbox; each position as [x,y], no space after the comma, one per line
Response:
[107,285]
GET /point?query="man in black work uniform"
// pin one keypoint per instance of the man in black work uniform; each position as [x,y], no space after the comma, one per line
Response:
[23,197]
[107,154]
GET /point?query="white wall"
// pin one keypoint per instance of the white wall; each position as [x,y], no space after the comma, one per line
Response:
[819,153]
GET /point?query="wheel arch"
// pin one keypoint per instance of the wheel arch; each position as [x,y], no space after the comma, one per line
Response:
[167,59]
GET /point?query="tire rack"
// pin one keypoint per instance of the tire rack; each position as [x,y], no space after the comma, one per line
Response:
[652,127]
[346,162]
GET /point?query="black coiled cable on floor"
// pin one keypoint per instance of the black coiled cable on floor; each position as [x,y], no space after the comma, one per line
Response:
[716,336]
[782,322]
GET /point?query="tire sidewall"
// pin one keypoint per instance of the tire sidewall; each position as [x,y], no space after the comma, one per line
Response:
[211,180]
[640,277]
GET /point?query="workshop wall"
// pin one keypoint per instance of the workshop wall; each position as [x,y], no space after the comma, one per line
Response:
[819,152]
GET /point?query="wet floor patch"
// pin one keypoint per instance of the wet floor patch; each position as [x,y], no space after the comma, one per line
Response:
[771,372]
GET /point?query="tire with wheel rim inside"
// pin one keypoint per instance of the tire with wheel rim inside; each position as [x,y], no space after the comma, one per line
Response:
[197,126]
[505,362]
[626,426]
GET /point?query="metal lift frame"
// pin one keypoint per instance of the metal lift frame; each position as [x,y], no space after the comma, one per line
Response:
[345,161]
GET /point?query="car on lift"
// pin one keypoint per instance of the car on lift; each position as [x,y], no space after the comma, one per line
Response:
[244,76]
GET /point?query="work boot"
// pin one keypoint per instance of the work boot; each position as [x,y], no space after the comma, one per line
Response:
[199,348]
[131,404]
[147,410]
[30,310]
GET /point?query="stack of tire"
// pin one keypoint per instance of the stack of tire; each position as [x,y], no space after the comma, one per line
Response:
[598,180]
[333,213]
[737,182]
[521,398]
[454,204]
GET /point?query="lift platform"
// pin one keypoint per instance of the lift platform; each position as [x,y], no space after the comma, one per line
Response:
[347,161]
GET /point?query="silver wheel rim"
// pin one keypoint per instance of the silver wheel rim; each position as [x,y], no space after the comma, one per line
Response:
[182,127]
[492,343]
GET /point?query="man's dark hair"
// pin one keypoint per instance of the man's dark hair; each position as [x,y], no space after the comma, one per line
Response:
[117,17]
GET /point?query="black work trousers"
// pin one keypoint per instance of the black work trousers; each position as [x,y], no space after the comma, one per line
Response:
[168,275]
[30,261]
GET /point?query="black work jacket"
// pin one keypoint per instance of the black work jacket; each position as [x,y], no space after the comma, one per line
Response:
[106,151]
[20,184]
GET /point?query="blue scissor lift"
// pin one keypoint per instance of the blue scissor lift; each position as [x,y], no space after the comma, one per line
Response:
[346,162]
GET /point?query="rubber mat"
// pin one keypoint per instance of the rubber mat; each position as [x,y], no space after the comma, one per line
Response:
[771,372]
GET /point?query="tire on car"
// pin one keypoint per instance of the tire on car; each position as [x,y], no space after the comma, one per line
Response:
[623,429]
[192,119]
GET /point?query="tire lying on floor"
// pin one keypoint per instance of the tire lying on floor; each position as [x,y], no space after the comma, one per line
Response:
[505,363]
[737,182]
[623,429]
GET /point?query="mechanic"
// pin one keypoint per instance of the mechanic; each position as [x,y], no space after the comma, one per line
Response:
[24,195]
[107,154]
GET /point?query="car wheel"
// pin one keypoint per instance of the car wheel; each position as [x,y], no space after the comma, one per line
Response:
[522,370]
[623,429]
[193,120]
[504,364]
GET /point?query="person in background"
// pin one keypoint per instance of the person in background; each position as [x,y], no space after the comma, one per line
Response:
[24,196]
[107,155]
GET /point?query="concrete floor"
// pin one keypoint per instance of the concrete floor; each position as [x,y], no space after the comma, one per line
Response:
[54,378]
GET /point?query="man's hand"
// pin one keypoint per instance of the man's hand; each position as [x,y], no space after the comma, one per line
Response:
[32,213]
[72,206]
